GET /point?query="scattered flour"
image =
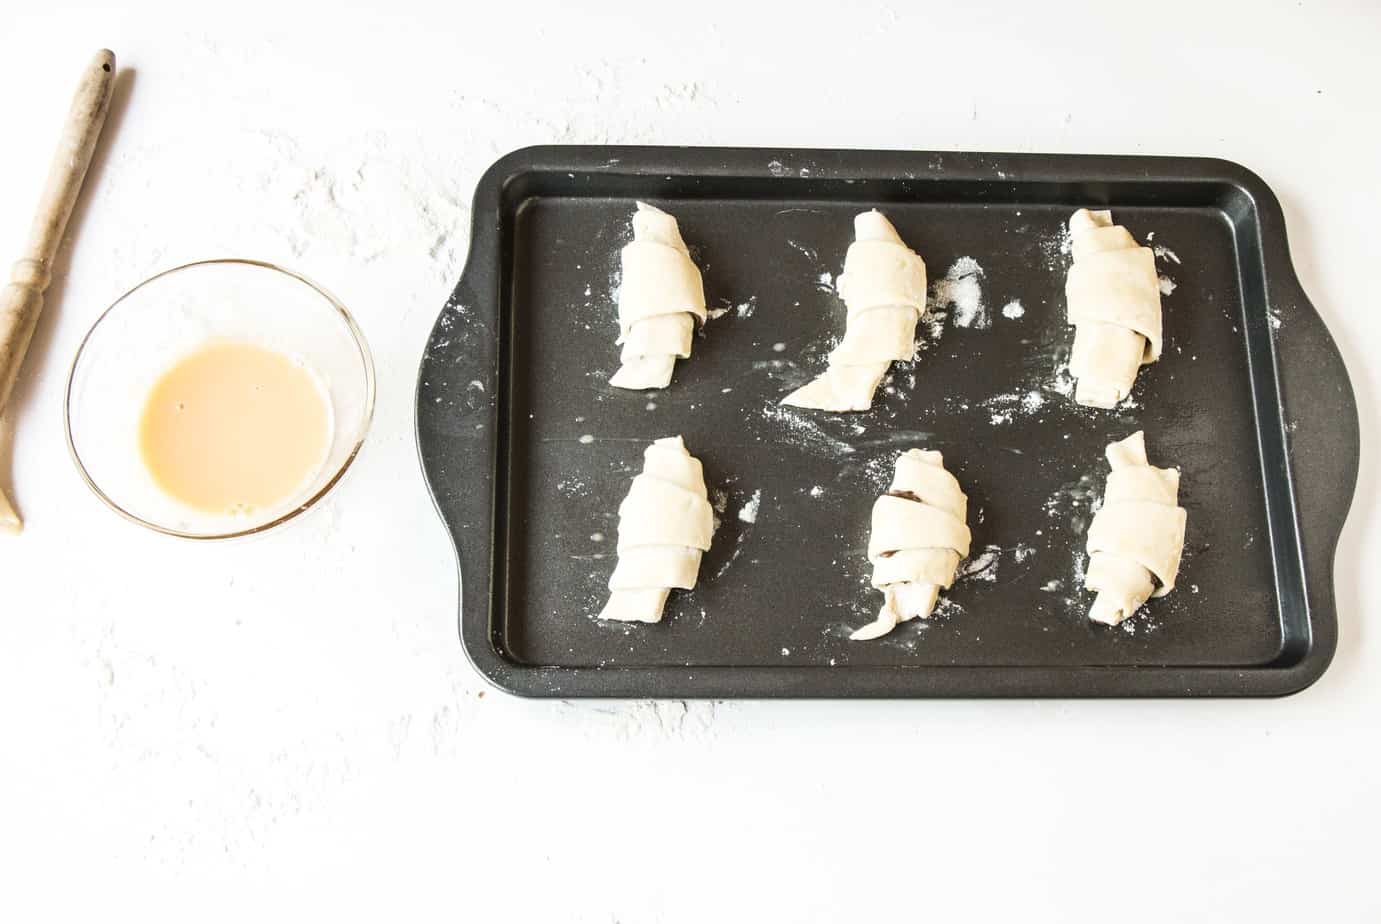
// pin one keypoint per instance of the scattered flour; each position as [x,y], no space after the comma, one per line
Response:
[779,347]
[983,566]
[369,199]
[596,537]
[945,608]
[1079,566]
[717,313]
[878,472]
[748,513]
[933,323]
[1013,310]
[816,491]
[1005,407]
[1057,248]
[746,309]
[962,291]
[587,439]
[719,500]
[805,432]
[572,487]
[1062,383]
[1167,285]
[1165,253]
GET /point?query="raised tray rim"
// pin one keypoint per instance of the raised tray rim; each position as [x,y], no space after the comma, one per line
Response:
[1318,526]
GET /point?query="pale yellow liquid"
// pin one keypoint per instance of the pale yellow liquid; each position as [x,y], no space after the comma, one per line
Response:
[234,428]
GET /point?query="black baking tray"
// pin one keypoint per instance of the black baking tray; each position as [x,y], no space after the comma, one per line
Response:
[528,451]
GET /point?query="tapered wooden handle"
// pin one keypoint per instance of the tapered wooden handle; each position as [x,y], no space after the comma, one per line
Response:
[22,300]
[84,121]
[31,274]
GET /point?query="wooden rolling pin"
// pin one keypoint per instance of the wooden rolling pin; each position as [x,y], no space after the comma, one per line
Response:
[22,300]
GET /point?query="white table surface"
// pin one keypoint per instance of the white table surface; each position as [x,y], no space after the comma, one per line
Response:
[195,732]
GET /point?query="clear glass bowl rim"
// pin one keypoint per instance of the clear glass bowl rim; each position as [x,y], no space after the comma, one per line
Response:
[366,360]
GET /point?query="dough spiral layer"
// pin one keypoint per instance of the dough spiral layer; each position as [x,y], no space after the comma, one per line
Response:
[883,287]
[660,299]
[665,525]
[918,539]
[1137,536]
[1113,297]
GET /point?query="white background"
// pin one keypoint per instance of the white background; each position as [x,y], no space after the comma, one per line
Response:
[194,732]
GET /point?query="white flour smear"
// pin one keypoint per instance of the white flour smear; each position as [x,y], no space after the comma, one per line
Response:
[1006,407]
[1167,285]
[733,556]
[366,201]
[946,608]
[1165,253]
[800,430]
[878,472]
[1056,248]
[1062,382]
[1013,310]
[748,513]
[981,566]
[929,328]
[961,293]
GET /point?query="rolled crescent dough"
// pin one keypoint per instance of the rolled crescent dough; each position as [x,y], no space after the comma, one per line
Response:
[883,287]
[1114,304]
[1137,536]
[918,539]
[665,524]
[660,299]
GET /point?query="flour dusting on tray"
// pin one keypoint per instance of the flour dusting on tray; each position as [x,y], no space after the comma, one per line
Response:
[961,292]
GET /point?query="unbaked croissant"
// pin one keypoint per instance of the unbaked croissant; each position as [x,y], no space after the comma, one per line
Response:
[883,288]
[660,299]
[918,538]
[665,525]
[1137,536]
[1113,297]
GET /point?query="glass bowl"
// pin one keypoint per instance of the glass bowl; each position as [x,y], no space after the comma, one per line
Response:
[164,318]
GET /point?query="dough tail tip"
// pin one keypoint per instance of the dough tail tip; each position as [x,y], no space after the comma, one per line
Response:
[642,375]
[642,605]
[876,629]
[1108,611]
[886,622]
